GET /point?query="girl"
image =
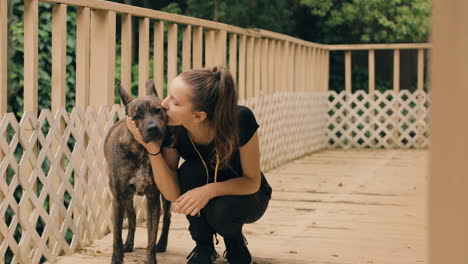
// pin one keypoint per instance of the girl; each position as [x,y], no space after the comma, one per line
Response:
[219,187]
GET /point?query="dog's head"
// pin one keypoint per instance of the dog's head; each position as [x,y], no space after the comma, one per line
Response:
[147,112]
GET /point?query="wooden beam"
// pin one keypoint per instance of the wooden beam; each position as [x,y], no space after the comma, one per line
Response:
[448,180]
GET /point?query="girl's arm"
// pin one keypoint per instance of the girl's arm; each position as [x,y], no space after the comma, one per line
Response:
[194,200]
[164,166]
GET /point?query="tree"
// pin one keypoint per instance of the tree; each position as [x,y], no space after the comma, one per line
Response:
[370,21]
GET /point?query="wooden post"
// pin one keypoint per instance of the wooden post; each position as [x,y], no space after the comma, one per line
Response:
[59,55]
[197,47]
[250,67]
[159,57]
[220,48]
[420,69]
[242,66]
[233,56]
[396,90]
[143,55]
[396,70]
[448,185]
[186,48]
[126,52]
[372,127]
[327,71]
[4,60]
[82,57]
[348,72]
[271,57]
[264,67]
[102,63]
[209,46]
[257,67]
[171,53]
[31,38]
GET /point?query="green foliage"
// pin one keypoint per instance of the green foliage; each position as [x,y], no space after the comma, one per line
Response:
[371,21]
[274,15]
[16,57]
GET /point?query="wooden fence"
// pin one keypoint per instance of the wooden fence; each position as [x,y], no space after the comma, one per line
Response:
[53,177]
[396,118]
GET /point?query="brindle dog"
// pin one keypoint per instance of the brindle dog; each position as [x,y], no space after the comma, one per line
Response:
[130,173]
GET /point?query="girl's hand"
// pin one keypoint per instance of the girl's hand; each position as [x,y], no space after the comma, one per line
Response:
[191,202]
[152,146]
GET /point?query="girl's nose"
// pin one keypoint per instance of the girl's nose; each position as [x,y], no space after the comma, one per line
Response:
[164,103]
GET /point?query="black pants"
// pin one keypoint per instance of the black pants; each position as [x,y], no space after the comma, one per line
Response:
[224,215]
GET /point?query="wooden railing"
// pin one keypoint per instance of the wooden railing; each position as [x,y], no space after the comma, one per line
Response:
[396,118]
[53,177]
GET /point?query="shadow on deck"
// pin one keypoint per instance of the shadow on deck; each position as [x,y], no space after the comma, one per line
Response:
[346,206]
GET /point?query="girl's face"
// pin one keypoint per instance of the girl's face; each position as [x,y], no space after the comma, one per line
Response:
[178,104]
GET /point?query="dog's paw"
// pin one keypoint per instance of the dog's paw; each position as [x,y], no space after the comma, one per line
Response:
[128,247]
[117,259]
[161,247]
[151,260]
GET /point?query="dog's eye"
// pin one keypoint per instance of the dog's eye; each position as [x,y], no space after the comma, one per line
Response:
[156,111]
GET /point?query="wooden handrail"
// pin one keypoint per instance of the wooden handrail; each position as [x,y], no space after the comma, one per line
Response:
[379,46]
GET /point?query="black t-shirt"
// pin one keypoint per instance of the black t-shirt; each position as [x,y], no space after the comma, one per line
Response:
[247,127]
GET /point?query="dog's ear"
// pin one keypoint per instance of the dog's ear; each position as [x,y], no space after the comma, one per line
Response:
[124,95]
[151,88]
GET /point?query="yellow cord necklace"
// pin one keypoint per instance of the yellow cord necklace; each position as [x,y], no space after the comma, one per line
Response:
[204,164]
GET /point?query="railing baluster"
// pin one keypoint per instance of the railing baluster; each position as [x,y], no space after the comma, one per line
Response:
[257,67]
[31,38]
[171,53]
[209,46]
[186,48]
[126,52]
[396,70]
[197,47]
[271,57]
[233,56]
[348,72]
[82,57]
[242,66]
[220,52]
[3,60]
[102,64]
[143,55]
[159,57]
[327,70]
[249,67]
[420,69]
[264,67]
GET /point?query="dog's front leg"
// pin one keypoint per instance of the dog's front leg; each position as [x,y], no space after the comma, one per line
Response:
[154,210]
[131,217]
[162,243]
[118,214]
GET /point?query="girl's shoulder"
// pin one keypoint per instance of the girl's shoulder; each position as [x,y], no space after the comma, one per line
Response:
[247,124]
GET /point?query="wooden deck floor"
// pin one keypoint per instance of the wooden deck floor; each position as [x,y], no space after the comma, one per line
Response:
[329,207]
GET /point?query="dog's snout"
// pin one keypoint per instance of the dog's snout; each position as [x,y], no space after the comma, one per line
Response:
[153,129]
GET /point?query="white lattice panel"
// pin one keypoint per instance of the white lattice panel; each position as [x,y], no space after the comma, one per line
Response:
[381,120]
[291,125]
[54,182]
